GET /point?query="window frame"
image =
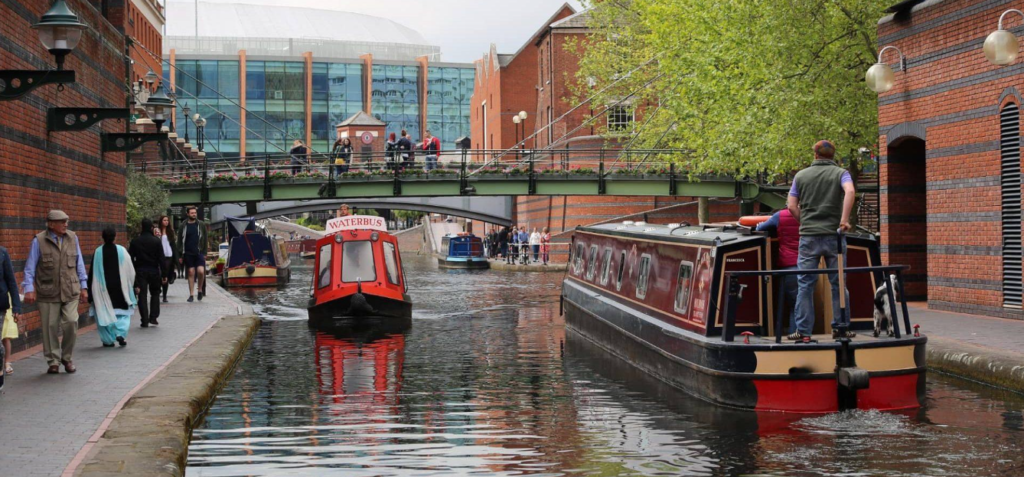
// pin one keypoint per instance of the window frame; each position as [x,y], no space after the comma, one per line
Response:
[329,246]
[592,262]
[689,293]
[606,265]
[643,276]
[577,266]
[394,257]
[622,270]
[344,261]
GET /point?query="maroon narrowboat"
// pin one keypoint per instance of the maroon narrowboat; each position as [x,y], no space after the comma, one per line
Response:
[699,308]
[359,278]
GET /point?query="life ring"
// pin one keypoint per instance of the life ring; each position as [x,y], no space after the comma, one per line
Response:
[753,220]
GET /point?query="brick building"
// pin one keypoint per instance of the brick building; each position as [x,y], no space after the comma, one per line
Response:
[144,21]
[950,163]
[539,79]
[42,170]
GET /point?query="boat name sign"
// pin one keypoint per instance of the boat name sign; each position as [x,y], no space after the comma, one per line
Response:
[356,222]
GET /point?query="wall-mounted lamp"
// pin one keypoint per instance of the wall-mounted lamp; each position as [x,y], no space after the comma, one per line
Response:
[59,31]
[880,77]
[1001,46]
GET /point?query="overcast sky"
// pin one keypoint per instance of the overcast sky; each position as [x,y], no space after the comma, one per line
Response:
[464,29]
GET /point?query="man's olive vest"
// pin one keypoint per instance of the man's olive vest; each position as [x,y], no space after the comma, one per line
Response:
[821,198]
[57,270]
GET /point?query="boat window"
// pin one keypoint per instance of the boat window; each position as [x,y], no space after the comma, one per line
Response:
[391,262]
[324,273]
[622,268]
[606,265]
[592,262]
[357,262]
[684,284]
[577,266]
[643,276]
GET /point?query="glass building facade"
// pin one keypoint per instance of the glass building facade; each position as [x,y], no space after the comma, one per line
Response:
[276,103]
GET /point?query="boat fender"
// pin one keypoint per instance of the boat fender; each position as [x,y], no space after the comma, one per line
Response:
[753,220]
[250,269]
[854,378]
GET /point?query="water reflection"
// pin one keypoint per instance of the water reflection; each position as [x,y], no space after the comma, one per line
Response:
[486,382]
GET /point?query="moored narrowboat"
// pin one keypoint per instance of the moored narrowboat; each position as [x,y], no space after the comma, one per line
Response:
[462,250]
[701,309]
[254,259]
[358,279]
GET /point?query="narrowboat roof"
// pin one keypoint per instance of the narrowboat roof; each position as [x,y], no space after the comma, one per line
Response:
[688,234]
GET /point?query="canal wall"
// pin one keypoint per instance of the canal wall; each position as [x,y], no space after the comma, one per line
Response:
[410,239]
[150,434]
[995,367]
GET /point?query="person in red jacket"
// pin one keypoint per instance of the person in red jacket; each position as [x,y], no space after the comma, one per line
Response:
[787,229]
[431,147]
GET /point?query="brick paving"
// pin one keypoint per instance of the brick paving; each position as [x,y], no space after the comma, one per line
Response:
[998,333]
[45,420]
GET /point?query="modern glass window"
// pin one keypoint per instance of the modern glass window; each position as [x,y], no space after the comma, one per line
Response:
[448,106]
[211,89]
[643,277]
[324,269]
[357,262]
[606,265]
[684,283]
[592,262]
[391,262]
[396,98]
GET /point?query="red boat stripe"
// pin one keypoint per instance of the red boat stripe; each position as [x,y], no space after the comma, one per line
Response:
[801,396]
[890,393]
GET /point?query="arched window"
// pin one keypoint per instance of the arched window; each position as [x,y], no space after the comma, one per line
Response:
[1009,148]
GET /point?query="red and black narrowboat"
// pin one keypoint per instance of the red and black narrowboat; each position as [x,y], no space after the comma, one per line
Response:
[358,279]
[701,309]
[254,259]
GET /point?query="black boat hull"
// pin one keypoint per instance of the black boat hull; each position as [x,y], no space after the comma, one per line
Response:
[382,312]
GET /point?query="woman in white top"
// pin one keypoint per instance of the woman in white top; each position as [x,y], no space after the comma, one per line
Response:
[168,239]
[535,244]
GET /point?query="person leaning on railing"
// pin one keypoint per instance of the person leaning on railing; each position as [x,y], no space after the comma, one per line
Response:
[342,154]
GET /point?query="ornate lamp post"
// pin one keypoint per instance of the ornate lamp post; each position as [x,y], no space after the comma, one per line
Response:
[159,107]
[184,111]
[880,77]
[522,119]
[516,121]
[59,31]
[1001,46]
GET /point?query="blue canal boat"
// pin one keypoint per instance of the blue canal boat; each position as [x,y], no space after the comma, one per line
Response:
[462,250]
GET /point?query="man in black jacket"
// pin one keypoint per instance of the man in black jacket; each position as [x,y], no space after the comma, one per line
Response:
[147,256]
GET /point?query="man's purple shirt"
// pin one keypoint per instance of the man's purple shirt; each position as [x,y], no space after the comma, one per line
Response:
[843,180]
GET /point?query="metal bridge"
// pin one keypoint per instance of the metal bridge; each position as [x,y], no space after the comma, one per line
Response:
[494,210]
[458,174]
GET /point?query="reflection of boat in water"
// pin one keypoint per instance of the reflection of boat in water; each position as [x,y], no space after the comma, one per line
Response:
[462,250]
[253,257]
[359,276]
[669,300]
[362,365]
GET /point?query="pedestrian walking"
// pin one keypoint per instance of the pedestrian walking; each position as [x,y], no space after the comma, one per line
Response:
[342,153]
[431,148]
[821,199]
[10,309]
[192,245]
[545,246]
[55,277]
[299,155]
[535,244]
[167,240]
[786,228]
[147,255]
[111,279]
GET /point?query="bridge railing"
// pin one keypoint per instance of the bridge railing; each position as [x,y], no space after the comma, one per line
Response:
[464,164]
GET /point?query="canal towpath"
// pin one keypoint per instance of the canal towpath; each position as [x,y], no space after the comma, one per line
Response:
[50,422]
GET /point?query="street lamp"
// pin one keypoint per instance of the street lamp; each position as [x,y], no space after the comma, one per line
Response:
[1001,46]
[184,111]
[59,31]
[522,117]
[151,78]
[200,125]
[159,107]
[880,77]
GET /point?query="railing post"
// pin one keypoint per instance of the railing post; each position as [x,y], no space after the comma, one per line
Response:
[463,183]
[780,305]
[396,186]
[267,193]
[533,179]
[671,178]
[600,177]
[892,305]
[903,302]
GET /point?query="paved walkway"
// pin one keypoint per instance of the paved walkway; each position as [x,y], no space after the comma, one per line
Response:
[45,420]
[998,333]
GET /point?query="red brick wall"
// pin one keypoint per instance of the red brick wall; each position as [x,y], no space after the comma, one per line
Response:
[941,212]
[65,170]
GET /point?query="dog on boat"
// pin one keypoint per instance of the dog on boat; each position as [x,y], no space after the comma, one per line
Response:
[883,312]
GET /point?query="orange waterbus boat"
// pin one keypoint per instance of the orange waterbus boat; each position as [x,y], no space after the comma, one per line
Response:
[701,309]
[359,278]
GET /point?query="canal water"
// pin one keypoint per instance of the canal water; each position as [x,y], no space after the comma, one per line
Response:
[487,383]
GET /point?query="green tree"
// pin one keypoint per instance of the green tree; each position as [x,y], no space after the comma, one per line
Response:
[146,198]
[747,85]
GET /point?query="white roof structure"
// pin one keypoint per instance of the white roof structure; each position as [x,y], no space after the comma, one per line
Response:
[259,27]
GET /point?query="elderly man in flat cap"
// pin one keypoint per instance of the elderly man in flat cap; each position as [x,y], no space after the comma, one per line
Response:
[55,277]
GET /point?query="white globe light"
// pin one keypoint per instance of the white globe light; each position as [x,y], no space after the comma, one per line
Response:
[515,119]
[1001,47]
[880,78]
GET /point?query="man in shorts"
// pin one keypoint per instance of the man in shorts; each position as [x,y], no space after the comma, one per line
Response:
[192,244]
